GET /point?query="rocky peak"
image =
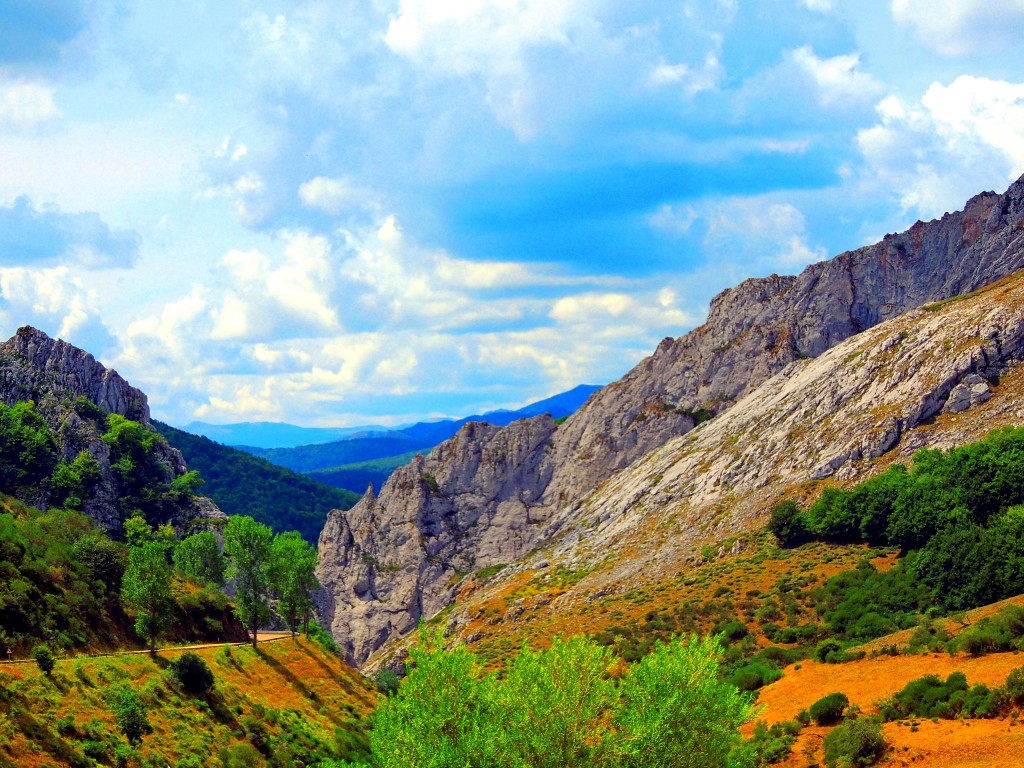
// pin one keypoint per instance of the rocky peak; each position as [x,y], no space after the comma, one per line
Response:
[54,374]
[37,365]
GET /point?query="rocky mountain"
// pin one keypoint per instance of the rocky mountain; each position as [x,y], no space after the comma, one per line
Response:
[74,393]
[488,497]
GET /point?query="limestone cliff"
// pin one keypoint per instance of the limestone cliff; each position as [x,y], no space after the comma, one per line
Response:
[752,333]
[53,374]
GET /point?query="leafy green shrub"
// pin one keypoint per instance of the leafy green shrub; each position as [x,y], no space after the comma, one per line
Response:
[1014,686]
[193,673]
[44,659]
[857,742]
[754,675]
[772,745]
[323,638]
[387,681]
[829,709]
[827,648]
[130,715]
[733,630]
[561,707]
[930,696]
[789,525]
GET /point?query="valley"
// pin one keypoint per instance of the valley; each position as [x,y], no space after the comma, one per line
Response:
[825,476]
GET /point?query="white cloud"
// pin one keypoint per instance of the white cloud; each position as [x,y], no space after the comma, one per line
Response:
[333,195]
[691,80]
[838,79]
[963,27]
[759,231]
[959,139]
[821,6]
[491,39]
[53,300]
[25,104]
[676,220]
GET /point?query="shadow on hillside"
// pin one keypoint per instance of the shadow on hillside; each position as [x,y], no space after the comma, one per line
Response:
[296,683]
[343,681]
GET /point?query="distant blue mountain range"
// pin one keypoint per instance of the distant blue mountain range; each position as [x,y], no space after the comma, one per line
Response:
[326,454]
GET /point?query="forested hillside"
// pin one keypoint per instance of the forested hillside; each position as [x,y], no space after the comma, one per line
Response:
[241,484]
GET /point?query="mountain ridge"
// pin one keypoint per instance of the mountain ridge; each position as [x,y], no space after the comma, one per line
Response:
[428,530]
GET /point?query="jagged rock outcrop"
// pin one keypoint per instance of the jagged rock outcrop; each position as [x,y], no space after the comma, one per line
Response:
[53,374]
[752,333]
[398,557]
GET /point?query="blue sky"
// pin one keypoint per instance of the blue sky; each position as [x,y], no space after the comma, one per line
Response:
[339,213]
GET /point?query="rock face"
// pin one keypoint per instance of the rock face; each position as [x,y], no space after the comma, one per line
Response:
[397,558]
[53,374]
[752,333]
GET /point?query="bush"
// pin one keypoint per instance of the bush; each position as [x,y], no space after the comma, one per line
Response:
[829,709]
[193,673]
[929,696]
[827,648]
[857,742]
[772,745]
[387,681]
[44,659]
[130,714]
[752,676]
[789,525]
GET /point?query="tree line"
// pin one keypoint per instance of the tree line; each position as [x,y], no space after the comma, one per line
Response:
[957,517]
[263,566]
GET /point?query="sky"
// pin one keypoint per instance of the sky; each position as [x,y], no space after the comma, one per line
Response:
[380,211]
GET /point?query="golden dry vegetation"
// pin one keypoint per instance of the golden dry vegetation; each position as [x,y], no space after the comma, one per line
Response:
[304,698]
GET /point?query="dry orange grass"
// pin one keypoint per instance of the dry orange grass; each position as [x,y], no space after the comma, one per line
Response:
[282,681]
[941,744]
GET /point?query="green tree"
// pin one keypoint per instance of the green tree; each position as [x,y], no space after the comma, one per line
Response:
[44,659]
[247,545]
[137,532]
[788,524]
[676,711]
[198,558]
[28,452]
[292,572]
[146,587]
[554,703]
[130,714]
[193,673]
[562,707]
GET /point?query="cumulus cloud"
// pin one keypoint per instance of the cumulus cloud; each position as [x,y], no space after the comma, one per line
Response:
[30,235]
[315,325]
[962,27]
[53,300]
[25,104]
[333,195]
[759,233]
[802,78]
[491,39]
[957,140]
[838,79]
[692,80]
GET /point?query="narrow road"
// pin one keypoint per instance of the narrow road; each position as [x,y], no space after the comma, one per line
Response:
[262,637]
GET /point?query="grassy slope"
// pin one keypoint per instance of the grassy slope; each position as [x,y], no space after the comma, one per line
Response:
[288,686]
[241,484]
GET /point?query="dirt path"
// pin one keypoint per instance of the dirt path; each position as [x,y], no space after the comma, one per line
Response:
[262,637]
